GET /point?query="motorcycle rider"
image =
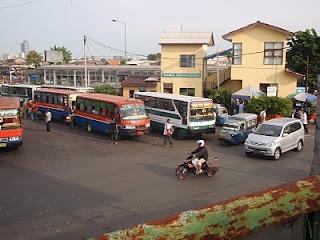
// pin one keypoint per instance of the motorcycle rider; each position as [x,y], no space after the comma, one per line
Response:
[200,154]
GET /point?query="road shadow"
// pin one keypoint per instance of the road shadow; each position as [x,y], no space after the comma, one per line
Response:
[159,170]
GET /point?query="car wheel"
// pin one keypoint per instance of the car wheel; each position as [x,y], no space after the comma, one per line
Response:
[224,142]
[277,154]
[249,154]
[299,146]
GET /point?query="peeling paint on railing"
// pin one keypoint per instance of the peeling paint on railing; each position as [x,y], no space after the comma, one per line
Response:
[233,218]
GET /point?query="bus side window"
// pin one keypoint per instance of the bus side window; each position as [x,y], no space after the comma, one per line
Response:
[169,105]
[149,102]
[103,112]
[160,103]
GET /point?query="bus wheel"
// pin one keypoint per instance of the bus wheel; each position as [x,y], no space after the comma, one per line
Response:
[89,128]
[180,135]
[198,135]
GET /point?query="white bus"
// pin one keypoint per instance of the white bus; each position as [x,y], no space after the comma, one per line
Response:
[22,91]
[190,116]
[72,88]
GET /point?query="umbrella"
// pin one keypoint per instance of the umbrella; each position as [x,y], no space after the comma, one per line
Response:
[247,93]
[305,97]
[292,95]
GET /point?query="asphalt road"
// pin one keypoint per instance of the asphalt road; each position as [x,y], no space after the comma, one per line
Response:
[70,184]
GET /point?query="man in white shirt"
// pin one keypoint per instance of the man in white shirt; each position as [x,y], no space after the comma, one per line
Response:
[263,115]
[167,132]
[48,120]
[304,120]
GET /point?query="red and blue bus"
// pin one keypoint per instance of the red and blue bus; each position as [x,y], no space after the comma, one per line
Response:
[60,102]
[95,111]
[11,128]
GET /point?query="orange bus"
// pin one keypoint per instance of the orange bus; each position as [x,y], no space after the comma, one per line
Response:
[10,123]
[60,102]
[95,111]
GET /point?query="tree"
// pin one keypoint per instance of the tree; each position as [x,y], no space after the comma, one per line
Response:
[106,89]
[274,106]
[156,56]
[67,56]
[34,58]
[304,54]
[221,96]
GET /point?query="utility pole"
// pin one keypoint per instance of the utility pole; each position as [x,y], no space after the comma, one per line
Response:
[307,75]
[312,225]
[218,72]
[85,61]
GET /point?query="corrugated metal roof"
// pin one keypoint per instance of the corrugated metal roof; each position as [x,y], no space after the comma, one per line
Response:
[138,81]
[183,37]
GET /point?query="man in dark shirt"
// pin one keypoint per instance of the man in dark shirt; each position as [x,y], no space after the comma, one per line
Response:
[114,131]
[201,154]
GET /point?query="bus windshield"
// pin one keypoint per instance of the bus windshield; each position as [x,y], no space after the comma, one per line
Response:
[9,119]
[201,111]
[133,111]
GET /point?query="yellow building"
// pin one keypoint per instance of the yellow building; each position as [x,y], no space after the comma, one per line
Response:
[259,57]
[183,62]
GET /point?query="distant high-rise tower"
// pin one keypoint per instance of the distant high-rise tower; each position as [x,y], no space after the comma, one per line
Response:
[25,47]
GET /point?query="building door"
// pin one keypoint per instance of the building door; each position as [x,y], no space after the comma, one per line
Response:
[131,92]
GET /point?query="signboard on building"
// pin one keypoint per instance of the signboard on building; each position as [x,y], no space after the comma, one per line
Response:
[53,56]
[271,91]
[300,89]
[182,75]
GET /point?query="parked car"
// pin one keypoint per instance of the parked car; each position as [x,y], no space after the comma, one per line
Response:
[221,113]
[275,137]
[236,129]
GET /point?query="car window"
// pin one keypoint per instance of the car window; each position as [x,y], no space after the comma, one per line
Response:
[295,126]
[287,129]
[269,130]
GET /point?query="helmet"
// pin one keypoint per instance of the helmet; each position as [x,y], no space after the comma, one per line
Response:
[200,142]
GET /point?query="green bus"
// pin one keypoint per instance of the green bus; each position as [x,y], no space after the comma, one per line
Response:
[190,116]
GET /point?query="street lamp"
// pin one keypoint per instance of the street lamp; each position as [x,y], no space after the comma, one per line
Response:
[125,38]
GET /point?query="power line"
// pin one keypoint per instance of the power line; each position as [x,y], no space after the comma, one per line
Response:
[22,4]
[178,59]
[117,50]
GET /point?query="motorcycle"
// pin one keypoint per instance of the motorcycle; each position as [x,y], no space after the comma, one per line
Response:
[209,168]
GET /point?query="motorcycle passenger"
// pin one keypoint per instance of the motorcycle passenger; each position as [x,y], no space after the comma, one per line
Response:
[200,154]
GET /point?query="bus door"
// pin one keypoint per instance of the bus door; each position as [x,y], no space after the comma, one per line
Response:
[182,108]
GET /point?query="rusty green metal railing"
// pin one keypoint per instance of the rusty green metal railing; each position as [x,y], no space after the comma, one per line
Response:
[233,218]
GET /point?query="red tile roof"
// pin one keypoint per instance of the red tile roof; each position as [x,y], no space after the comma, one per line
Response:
[113,62]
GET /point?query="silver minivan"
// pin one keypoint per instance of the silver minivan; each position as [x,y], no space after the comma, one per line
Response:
[274,137]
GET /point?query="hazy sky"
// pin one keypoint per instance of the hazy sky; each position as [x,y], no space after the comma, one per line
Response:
[45,23]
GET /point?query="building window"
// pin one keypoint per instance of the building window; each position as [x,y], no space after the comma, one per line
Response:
[187,91]
[237,54]
[188,61]
[273,53]
[167,87]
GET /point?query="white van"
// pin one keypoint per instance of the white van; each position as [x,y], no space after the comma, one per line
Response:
[274,137]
